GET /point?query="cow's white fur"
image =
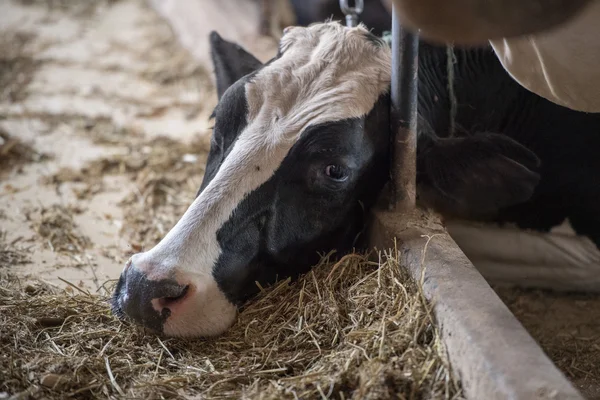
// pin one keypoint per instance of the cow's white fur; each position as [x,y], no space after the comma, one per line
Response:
[326,73]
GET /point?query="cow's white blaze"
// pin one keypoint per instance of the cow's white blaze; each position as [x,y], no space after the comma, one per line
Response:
[326,73]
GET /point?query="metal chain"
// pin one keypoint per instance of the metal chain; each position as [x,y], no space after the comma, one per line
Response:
[352,13]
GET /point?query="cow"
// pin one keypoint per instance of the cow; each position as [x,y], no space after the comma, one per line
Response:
[300,153]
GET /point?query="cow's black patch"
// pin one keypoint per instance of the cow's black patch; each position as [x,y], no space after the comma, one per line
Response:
[230,121]
[227,72]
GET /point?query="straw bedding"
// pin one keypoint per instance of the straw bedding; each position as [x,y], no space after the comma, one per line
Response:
[14,153]
[12,253]
[350,329]
[57,229]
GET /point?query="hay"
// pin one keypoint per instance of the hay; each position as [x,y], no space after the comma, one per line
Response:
[56,226]
[16,66]
[166,186]
[10,253]
[346,330]
[14,153]
[76,8]
[103,131]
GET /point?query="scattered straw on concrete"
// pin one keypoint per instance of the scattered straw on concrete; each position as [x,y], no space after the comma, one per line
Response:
[57,227]
[166,173]
[15,153]
[166,186]
[347,330]
[10,253]
[16,65]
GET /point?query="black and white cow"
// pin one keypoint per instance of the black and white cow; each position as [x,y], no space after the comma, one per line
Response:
[300,152]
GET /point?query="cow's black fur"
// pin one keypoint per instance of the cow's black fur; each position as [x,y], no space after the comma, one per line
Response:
[488,102]
[488,169]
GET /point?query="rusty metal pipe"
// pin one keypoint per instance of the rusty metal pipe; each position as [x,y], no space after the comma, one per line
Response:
[404,85]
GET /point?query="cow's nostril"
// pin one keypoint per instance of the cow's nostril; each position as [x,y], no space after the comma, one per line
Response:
[169,300]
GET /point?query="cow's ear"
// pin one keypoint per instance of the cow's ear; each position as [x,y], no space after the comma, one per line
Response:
[477,175]
[230,61]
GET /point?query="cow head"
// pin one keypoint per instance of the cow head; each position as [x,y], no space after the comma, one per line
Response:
[298,152]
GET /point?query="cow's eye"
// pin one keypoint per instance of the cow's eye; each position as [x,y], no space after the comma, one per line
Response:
[336,172]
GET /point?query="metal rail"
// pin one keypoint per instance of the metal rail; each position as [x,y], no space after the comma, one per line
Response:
[404,86]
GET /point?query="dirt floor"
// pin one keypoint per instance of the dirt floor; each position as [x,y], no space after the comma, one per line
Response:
[567,327]
[103,137]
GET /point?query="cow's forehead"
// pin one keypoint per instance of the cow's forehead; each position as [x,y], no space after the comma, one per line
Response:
[325,73]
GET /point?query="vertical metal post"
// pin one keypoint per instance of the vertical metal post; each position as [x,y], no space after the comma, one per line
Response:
[405,56]
[352,12]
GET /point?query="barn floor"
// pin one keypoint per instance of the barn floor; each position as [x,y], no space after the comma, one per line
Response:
[101,85]
[568,329]
[103,132]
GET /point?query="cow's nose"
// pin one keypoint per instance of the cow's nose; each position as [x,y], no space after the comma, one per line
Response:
[148,302]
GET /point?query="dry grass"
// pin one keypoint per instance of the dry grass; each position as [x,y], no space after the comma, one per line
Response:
[14,153]
[346,330]
[16,65]
[56,226]
[165,187]
[10,253]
